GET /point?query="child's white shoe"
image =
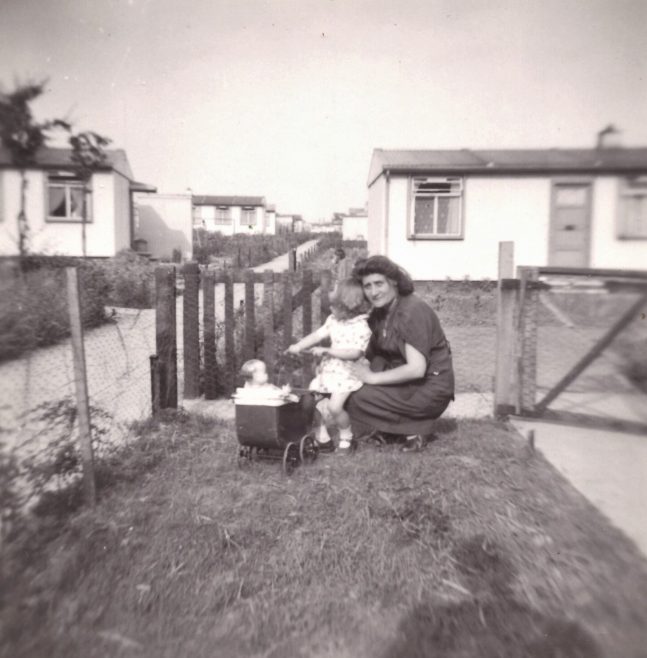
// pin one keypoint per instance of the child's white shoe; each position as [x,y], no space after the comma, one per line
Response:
[344,445]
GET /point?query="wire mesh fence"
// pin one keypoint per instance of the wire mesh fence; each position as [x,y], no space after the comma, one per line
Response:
[39,418]
[467,312]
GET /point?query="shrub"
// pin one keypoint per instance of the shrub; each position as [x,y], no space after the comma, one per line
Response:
[33,303]
[131,280]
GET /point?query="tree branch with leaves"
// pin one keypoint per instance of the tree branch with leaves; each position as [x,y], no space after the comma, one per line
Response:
[23,136]
[88,154]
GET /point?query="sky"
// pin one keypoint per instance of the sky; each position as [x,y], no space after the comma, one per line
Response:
[287,99]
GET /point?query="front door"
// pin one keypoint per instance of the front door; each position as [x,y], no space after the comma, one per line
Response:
[570,224]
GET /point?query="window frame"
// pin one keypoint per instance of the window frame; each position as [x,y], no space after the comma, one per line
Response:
[222,221]
[68,181]
[411,207]
[627,191]
[248,209]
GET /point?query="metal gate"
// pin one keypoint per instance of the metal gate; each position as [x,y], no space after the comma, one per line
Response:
[572,346]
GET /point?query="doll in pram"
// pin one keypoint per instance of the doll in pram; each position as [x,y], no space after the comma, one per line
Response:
[272,422]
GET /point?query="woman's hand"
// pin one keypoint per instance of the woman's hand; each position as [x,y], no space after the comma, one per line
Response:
[293,349]
[319,351]
[363,372]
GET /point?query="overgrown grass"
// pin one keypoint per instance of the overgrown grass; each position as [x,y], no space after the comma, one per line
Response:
[474,547]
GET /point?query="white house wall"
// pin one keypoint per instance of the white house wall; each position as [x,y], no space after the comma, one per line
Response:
[122,232]
[354,228]
[607,251]
[513,209]
[165,222]
[376,211]
[270,223]
[495,209]
[207,214]
[58,237]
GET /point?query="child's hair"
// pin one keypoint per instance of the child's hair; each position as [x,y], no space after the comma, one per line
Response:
[249,367]
[348,298]
[340,253]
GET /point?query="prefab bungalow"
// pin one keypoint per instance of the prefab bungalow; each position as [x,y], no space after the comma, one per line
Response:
[229,214]
[54,199]
[442,213]
[284,223]
[164,226]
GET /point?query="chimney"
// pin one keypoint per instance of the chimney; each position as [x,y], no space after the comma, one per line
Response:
[609,138]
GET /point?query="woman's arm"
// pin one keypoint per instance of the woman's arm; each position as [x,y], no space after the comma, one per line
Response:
[414,368]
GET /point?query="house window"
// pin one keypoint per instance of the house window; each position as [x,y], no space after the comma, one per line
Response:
[632,221]
[248,217]
[222,215]
[65,199]
[436,208]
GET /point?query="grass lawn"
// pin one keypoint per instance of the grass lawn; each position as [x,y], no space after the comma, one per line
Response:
[474,547]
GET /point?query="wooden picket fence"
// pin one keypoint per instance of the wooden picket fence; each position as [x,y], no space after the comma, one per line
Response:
[264,330]
[218,335]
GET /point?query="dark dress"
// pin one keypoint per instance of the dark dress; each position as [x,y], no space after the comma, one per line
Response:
[409,407]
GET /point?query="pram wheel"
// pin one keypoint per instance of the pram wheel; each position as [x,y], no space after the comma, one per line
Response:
[290,458]
[375,438]
[245,456]
[308,450]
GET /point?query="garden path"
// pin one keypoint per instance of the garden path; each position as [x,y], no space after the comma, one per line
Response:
[608,468]
[117,362]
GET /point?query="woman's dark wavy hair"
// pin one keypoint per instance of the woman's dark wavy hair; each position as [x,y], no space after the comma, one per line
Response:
[386,267]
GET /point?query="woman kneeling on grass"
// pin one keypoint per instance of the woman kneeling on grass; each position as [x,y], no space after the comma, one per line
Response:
[410,381]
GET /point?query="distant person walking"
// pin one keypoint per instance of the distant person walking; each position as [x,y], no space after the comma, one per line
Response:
[339,265]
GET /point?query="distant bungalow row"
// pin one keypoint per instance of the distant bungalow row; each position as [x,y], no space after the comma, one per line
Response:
[443,213]
[124,213]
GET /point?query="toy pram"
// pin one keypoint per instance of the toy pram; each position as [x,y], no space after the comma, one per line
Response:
[276,430]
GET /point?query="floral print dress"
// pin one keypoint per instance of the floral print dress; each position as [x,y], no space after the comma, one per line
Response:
[335,375]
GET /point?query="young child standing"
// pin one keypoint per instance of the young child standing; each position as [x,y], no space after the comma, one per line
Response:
[349,333]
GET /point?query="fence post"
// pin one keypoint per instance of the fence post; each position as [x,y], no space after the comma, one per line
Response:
[269,355]
[324,299]
[191,329]
[81,386]
[165,335]
[155,385]
[527,340]
[287,310]
[306,291]
[230,350]
[292,260]
[506,303]
[250,316]
[209,328]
